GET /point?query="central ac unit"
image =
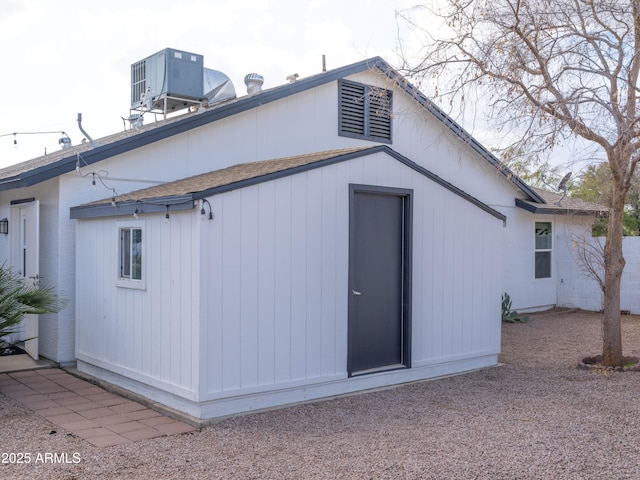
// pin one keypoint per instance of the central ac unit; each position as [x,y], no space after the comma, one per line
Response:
[169,79]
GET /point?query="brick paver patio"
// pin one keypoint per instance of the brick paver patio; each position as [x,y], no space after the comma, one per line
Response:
[88,411]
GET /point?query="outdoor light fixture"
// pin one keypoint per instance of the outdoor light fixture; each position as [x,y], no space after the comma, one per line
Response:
[203,211]
[4,226]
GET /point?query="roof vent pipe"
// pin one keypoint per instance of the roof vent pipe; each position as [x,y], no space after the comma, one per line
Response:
[254,82]
[91,141]
[65,142]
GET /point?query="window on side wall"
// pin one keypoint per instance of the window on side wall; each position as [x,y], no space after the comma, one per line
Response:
[130,256]
[365,112]
[543,250]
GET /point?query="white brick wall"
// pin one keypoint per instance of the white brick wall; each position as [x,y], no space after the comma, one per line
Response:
[583,292]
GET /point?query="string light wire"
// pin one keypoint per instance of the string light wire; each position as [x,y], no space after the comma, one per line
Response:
[15,134]
[100,176]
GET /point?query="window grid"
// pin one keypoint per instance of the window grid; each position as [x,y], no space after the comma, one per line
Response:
[131,253]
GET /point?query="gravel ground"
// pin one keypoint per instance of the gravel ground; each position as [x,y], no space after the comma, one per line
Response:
[535,417]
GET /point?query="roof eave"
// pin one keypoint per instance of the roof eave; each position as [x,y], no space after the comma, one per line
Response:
[460,132]
[12,183]
[134,207]
[124,208]
[557,210]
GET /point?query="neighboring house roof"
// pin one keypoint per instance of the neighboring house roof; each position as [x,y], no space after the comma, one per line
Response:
[181,194]
[556,203]
[54,164]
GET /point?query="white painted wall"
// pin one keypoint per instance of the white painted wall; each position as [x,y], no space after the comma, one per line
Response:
[304,123]
[427,141]
[630,290]
[528,293]
[582,291]
[259,295]
[152,334]
[277,270]
[57,248]
[301,123]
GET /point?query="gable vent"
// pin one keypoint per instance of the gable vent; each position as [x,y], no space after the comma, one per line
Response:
[365,112]
[352,111]
[380,113]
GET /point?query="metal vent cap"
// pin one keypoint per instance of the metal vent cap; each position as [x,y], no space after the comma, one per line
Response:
[254,82]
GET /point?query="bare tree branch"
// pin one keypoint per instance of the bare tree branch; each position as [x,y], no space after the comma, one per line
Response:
[550,68]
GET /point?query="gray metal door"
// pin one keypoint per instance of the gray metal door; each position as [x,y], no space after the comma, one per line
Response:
[378,277]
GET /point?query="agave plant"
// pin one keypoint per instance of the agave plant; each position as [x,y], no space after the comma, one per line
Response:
[18,298]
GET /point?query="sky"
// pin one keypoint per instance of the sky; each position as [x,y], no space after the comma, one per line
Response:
[71,56]
[68,57]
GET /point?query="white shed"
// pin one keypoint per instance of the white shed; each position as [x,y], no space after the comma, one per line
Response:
[317,275]
[265,304]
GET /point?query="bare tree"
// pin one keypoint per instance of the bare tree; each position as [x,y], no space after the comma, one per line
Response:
[553,69]
[589,255]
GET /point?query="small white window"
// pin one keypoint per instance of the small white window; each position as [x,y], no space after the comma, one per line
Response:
[543,250]
[130,256]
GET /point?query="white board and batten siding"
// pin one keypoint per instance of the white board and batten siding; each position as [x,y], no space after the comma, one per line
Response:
[275,291]
[148,335]
[567,286]
[250,310]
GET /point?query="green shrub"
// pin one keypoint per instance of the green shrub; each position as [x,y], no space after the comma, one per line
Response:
[18,298]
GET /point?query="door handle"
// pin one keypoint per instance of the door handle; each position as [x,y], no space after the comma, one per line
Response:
[357,294]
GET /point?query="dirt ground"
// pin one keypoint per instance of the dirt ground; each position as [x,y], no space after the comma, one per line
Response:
[536,416]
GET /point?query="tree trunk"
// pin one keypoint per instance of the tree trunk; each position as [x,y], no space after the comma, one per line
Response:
[614,265]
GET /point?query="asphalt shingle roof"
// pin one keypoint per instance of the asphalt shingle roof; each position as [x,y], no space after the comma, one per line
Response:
[82,148]
[182,194]
[228,176]
[556,204]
